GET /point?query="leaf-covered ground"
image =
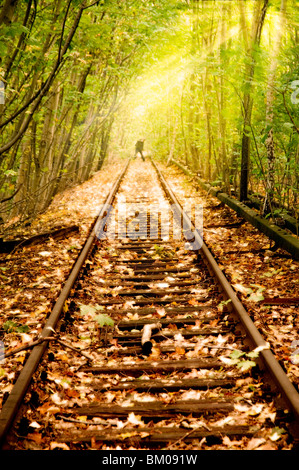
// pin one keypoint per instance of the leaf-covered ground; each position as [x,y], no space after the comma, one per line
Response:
[32,278]
[255,271]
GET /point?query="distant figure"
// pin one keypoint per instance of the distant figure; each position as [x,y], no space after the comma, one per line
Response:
[139,148]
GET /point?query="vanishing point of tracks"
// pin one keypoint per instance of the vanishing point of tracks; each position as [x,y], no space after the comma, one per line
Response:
[165,337]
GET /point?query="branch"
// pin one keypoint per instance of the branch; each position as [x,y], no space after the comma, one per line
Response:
[41,340]
[12,196]
[62,32]
[91,5]
[44,89]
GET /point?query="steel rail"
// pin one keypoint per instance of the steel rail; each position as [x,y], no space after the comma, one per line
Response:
[14,400]
[276,372]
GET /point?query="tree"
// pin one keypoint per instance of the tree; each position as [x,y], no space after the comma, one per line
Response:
[269,198]
[251,41]
[66,65]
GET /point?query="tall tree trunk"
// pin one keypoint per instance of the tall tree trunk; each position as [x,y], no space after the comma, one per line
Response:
[47,84]
[20,207]
[172,143]
[12,56]
[47,147]
[7,11]
[268,203]
[219,88]
[257,25]
[205,93]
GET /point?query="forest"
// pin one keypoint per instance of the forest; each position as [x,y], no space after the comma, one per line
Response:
[149,225]
[212,84]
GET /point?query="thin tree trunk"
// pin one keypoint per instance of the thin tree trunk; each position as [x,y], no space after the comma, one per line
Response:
[47,85]
[257,25]
[7,11]
[172,144]
[268,203]
[208,169]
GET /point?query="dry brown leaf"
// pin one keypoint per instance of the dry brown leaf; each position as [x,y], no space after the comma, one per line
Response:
[48,408]
[72,393]
[58,445]
[155,354]
[161,312]
[180,350]
[255,442]
[135,419]
[36,437]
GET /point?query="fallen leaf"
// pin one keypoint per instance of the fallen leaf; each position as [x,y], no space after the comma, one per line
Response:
[161,312]
[72,393]
[255,442]
[226,441]
[244,290]
[48,408]
[135,419]
[82,418]
[36,437]
[125,435]
[58,445]
[276,434]
[34,424]
[45,253]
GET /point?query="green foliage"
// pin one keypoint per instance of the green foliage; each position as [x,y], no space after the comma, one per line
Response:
[12,327]
[102,319]
[89,73]
[243,361]
[194,93]
[175,72]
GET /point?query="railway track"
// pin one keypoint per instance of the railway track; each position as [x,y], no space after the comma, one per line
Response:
[148,346]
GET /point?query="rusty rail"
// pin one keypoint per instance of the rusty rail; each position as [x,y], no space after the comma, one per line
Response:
[281,237]
[282,383]
[278,375]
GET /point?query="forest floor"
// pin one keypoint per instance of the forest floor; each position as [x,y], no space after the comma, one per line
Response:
[32,276]
[255,270]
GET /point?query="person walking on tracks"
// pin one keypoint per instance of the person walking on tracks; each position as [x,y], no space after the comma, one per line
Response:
[139,148]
